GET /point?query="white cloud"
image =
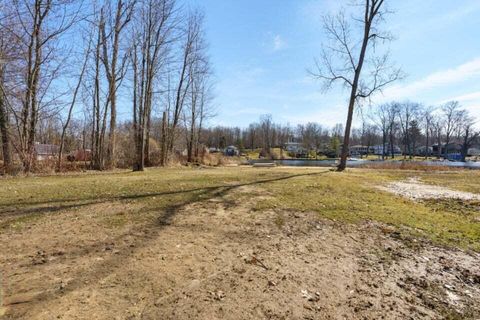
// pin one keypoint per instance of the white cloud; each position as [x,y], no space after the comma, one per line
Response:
[474,110]
[461,73]
[278,43]
[469,97]
[469,101]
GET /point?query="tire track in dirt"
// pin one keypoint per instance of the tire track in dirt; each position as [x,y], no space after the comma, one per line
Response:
[219,259]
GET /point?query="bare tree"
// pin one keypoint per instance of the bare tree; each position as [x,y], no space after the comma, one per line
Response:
[113,62]
[285,135]
[393,111]
[206,110]
[199,71]
[467,133]
[252,135]
[437,132]
[42,23]
[4,126]
[346,58]
[7,51]
[427,119]
[198,113]
[367,133]
[382,120]
[310,135]
[189,54]
[407,113]
[72,104]
[452,118]
[266,125]
[151,38]
[99,116]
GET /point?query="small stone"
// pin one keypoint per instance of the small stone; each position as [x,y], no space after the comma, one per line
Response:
[272,283]
[449,287]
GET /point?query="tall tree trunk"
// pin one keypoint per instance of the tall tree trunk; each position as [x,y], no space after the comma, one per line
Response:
[447,142]
[7,159]
[439,146]
[384,143]
[390,144]
[163,146]
[138,112]
[146,148]
[112,134]
[178,105]
[191,138]
[427,142]
[348,127]
[139,164]
[353,97]
[110,64]
[191,144]
[465,144]
[34,105]
[199,132]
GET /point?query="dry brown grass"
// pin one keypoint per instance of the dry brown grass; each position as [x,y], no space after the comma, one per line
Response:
[409,165]
[218,159]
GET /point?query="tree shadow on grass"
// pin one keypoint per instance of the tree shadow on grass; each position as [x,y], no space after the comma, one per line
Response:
[149,232]
[40,207]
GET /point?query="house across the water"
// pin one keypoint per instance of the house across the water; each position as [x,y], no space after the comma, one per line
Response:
[293,147]
[474,152]
[424,151]
[360,150]
[231,151]
[296,149]
[386,149]
[45,151]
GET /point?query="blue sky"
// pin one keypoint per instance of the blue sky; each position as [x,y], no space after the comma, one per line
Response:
[261,50]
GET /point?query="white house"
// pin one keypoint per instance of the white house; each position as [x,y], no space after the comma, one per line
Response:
[378,150]
[294,147]
[474,152]
[360,150]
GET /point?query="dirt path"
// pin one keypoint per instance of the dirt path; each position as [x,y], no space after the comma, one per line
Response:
[219,259]
[415,190]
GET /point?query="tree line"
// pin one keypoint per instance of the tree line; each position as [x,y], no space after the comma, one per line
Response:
[131,81]
[109,76]
[411,126]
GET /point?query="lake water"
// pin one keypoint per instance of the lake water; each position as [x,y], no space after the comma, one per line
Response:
[360,162]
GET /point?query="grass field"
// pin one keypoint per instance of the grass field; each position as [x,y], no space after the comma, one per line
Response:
[349,196]
[238,243]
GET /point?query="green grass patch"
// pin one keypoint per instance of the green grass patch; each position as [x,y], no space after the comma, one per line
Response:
[462,180]
[155,190]
[350,196]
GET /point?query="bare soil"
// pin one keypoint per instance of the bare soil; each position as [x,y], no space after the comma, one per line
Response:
[220,259]
[414,189]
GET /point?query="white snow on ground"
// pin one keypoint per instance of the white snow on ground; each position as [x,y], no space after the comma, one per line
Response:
[416,190]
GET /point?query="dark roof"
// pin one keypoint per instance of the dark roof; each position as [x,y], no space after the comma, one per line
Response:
[46,149]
